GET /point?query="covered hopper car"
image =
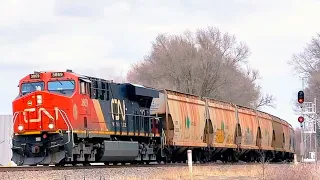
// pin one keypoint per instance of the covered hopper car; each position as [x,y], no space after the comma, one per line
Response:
[66,118]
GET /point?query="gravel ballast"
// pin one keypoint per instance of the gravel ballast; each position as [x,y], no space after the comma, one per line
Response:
[272,171]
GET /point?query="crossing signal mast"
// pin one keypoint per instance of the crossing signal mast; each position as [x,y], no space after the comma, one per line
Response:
[308,128]
[301,100]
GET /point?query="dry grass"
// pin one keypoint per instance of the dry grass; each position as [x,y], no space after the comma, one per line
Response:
[259,171]
[214,171]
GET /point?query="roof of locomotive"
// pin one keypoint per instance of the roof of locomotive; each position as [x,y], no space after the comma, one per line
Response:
[37,75]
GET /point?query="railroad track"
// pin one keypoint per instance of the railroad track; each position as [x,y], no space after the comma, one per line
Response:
[51,168]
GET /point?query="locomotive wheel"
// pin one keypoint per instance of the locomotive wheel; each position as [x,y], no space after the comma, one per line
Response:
[60,165]
[86,164]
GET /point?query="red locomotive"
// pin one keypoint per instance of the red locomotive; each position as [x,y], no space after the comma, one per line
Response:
[63,117]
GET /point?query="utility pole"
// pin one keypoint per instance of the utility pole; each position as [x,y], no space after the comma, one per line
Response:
[315,134]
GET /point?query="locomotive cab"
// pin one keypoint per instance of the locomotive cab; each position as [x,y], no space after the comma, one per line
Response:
[43,100]
[42,115]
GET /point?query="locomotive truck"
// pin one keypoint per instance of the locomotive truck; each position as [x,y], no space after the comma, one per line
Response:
[66,118]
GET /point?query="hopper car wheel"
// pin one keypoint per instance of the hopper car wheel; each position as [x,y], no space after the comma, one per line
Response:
[197,157]
[164,159]
[261,156]
[74,164]
[236,155]
[61,163]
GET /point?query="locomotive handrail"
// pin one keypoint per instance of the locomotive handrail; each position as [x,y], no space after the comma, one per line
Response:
[134,115]
[69,125]
[15,115]
[14,118]
[66,120]
[64,117]
[149,117]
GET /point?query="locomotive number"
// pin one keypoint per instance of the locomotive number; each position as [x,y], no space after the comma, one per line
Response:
[123,124]
[118,109]
[84,102]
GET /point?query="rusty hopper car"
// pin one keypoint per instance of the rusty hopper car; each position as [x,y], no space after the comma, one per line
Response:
[66,118]
[217,130]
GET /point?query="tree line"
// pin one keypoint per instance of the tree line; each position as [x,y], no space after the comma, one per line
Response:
[207,63]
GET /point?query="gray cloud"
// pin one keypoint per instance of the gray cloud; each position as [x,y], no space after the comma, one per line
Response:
[79,8]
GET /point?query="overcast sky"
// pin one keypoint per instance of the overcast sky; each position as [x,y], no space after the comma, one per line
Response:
[98,36]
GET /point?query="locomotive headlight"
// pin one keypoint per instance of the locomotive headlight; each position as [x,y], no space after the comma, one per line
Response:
[51,126]
[39,99]
[20,128]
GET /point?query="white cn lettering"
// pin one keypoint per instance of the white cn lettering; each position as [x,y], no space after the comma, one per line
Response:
[120,109]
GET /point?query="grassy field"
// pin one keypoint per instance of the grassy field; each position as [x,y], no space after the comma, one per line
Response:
[212,171]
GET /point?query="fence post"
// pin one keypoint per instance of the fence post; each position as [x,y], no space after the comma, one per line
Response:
[295,159]
[190,161]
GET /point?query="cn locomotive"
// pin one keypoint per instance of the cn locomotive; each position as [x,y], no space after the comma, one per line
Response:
[65,118]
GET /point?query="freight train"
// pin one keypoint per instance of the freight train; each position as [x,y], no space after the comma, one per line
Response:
[66,118]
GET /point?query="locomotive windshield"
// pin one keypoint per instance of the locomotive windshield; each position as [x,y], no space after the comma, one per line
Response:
[30,87]
[62,86]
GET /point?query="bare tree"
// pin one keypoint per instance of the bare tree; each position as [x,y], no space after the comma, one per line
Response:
[207,63]
[306,63]
[267,100]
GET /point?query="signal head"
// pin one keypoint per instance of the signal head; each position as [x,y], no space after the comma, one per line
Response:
[300,97]
[300,119]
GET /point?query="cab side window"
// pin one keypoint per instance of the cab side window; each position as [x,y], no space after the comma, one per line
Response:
[84,88]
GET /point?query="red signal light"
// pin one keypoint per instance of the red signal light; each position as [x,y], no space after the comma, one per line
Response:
[300,119]
[300,97]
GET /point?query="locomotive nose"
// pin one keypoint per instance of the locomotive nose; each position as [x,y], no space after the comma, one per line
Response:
[37,112]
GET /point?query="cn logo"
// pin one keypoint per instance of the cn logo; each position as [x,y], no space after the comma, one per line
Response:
[84,102]
[39,118]
[118,109]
